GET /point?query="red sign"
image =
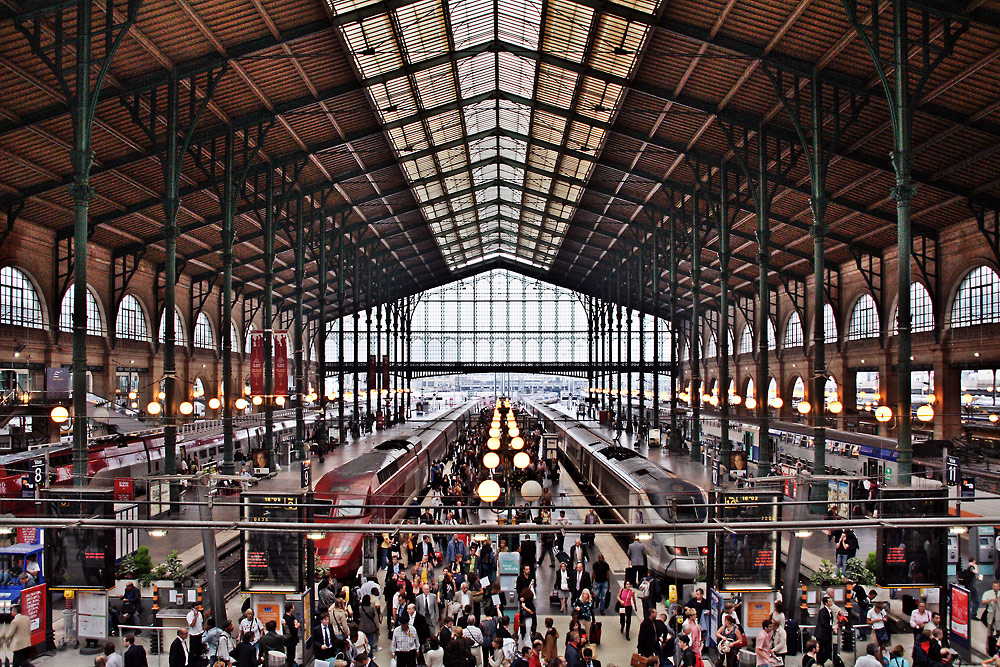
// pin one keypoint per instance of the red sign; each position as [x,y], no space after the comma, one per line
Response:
[385,371]
[33,606]
[124,489]
[280,363]
[28,535]
[372,362]
[256,363]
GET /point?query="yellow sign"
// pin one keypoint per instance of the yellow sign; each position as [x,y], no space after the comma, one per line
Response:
[672,593]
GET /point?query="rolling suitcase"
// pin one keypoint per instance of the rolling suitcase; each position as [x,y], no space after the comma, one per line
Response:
[554,598]
[595,633]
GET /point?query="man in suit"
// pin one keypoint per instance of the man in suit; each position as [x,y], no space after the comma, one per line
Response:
[19,634]
[425,548]
[588,658]
[577,554]
[179,649]
[322,638]
[573,658]
[272,641]
[427,606]
[364,660]
[579,579]
[135,654]
[824,630]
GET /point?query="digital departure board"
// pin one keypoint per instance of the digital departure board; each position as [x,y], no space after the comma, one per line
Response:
[81,557]
[913,556]
[272,560]
[746,561]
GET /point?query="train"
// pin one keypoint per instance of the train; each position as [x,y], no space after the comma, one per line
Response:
[137,455]
[657,497]
[373,487]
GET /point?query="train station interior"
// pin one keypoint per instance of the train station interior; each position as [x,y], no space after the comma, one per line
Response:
[386,333]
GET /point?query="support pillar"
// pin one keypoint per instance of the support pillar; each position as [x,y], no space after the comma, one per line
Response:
[675,443]
[765,456]
[228,215]
[818,203]
[725,446]
[696,388]
[268,308]
[321,345]
[341,280]
[300,366]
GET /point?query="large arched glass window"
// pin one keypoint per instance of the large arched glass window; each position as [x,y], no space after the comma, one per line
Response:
[829,325]
[921,311]
[95,325]
[131,322]
[246,341]
[178,329]
[864,319]
[793,331]
[772,342]
[19,304]
[203,332]
[746,340]
[234,338]
[978,299]
[713,347]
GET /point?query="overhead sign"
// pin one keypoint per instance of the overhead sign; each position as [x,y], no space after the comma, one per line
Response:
[124,489]
[968,487]
[745,561]
[280,363]
[960,636]
[257,363]
[272,560]
[911,557]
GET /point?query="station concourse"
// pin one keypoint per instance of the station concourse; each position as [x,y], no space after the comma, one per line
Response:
[313,310]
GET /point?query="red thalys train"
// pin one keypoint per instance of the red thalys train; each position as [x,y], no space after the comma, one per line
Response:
[367,489]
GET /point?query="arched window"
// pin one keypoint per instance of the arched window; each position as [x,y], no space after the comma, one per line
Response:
[978,299]
[772,342]
[793,331]
[19,303]
[921,311]
[864,319]
[247,339]
[95,326]
[829,325]
[178,329]
[234,337]
[203,332]
[131,321]
[746,341]
[713,347]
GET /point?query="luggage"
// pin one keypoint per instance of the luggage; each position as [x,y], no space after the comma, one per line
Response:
[607,598]
[554,598]
[562,557]
[638,660]
[793,637]
[595,632]
[909,604]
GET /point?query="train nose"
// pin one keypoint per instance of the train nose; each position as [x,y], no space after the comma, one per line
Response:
[683,568]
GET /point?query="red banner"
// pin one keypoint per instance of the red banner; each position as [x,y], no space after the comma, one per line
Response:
[124,489]
[33,606]
[256,363]
[385,371]
[280,363]
[372,363]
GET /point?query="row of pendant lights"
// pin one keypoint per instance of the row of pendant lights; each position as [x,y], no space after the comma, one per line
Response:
[489,489]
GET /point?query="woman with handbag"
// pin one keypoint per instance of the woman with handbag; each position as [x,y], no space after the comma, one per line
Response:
[627,604]
[730,641]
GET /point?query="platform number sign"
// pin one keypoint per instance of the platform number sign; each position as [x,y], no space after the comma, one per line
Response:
[953,470]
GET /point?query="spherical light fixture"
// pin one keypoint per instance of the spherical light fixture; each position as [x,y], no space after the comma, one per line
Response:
[494,433]
[522,460]
[736,399]
[883,413]
[154,408]
[835,407]
[931,398]
[132,395]
[516,443]
[279,401]
[491,460]
[241,404]
[751,403]
[185,408]
[714,401]
[804,407]
[257,400]
[513,431]
[161,395]
[488,490]
[493,443]
[531,491]
[214,403]
[59,414]
[993,418]
[777,402]
[246,390]
[925,413]
[967,398]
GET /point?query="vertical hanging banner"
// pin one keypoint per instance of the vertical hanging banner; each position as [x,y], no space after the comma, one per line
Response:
[280,363]
[385,371]
[372,363]
[257,363]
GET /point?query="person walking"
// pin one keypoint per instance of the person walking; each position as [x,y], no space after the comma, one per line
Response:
[627,605]
[600,572]
[637,561]
[135,654]
[825,630]
[195,621]
[19,636]
[728,639]
[179,651]
[764,646]
[405,644]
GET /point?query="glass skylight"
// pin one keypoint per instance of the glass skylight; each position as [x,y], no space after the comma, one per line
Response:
[475,95]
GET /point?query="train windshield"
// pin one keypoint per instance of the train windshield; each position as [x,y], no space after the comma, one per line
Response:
[679,508]
[349,507]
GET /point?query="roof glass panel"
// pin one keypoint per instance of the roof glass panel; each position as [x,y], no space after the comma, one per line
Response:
[373,45]
[556,85]
[477,74]
[567,25]
[423,30]
[471,22]
[617,45]
[436,85]
[519,21]
[517,74]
